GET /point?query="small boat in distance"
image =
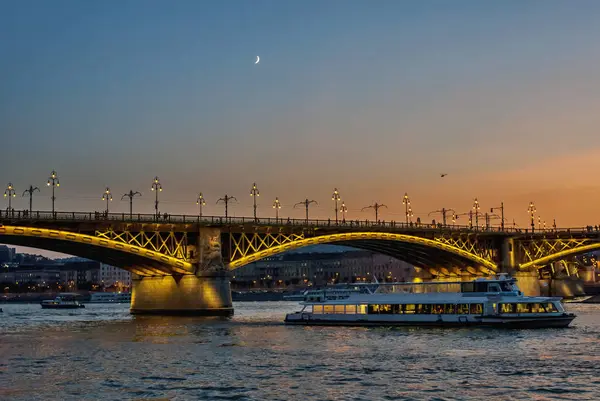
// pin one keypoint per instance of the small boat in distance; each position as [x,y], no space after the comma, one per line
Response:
[62,302]
[110,298]
[483,302]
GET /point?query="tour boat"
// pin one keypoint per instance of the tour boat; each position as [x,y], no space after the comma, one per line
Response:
[494,302]
[62,302]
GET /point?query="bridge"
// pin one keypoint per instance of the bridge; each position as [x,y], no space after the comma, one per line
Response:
[181,262]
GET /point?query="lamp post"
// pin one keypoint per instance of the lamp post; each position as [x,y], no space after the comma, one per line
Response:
[343,211]
[375,206]
[131,194]
[276,206]
[409,214]
[107,196]
[200,202]
[476,209]
[336,197]
[406,203]
[531,210]
[156,187]
[9,193]
[53,182]
[443,211]
[30,191]
[501,207]
[306,204]
[226,199]
[254,193]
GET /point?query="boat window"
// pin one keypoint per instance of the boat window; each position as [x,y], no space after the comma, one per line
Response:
[476,309]
[481,287]
[507,308]
[505,286]
[463,309]
[361,309]
[438,309]
[338,308]
[494,287]
[328,309]
[450,309]
[317,309]
[468,287]
[425,309]
[410,308]
[350,309]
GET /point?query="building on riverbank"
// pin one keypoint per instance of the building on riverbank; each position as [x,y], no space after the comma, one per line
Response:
[320,269]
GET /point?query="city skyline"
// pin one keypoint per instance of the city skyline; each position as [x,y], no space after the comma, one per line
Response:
[374,101]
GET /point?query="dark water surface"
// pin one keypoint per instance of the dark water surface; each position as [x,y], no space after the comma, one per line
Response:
[103,353]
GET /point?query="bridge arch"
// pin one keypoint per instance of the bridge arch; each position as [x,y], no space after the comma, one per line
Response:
[540,262]
[423,251]
[144,262]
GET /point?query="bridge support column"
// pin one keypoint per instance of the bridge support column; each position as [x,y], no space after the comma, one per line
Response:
[208,295]
[528,283]
[508,264]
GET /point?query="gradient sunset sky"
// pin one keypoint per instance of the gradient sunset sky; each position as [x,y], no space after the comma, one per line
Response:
[376,98]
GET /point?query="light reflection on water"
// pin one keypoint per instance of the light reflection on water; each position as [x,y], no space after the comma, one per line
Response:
[102,352]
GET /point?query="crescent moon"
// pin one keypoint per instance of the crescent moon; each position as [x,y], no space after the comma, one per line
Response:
[257,60]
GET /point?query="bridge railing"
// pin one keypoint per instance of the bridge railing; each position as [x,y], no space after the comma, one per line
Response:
[165,218]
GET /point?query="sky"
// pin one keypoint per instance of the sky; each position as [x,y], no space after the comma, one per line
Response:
[375,99]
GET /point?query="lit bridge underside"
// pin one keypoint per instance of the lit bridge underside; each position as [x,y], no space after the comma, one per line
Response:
[136,259]
[439,256]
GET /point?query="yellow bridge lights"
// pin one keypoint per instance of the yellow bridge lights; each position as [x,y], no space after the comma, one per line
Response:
[156,187]
[276,206]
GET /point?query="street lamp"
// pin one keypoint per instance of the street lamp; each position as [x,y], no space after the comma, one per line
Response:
[107,196]
[131,195]
[336,197]
[406,203]
[200,202]
[53,181]
[254,194]
[226,199]
[375,206]
[443,211]
[476,208]
[501,207]
[276,206]
[30,191]
[156,187]
[306,204]
[343,210]
[10,193]
[409,214]
[531,210]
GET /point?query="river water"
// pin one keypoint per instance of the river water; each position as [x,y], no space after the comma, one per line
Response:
[103,353]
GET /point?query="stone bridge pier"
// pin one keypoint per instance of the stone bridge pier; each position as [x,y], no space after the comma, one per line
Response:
[206,292]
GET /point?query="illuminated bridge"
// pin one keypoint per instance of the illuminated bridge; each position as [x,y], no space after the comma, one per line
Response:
[181,263]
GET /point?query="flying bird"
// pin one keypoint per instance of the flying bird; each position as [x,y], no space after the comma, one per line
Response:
[257,60]
[443,175]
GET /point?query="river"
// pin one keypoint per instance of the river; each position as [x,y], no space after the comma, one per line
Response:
[102,352]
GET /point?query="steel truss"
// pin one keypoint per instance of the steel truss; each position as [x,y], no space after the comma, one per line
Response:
[483,247]
[245,244]
[168,243]
[536,249]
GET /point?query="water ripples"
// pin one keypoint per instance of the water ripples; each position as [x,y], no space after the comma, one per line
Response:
[102,352]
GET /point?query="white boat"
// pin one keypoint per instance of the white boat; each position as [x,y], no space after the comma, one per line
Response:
[110,298]
[494,302]
[62,302]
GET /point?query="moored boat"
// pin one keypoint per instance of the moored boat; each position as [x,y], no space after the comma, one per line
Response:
[483,302]
[61,302]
